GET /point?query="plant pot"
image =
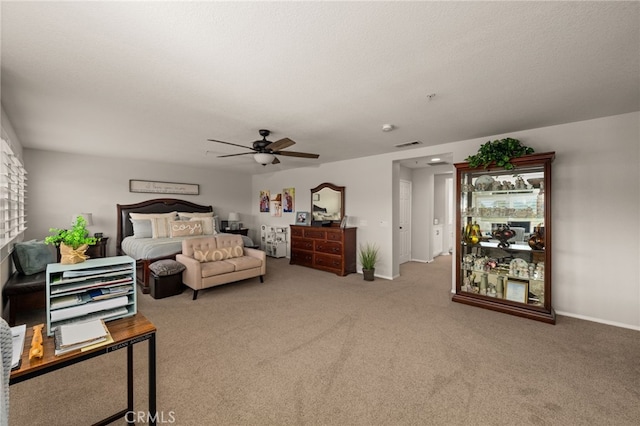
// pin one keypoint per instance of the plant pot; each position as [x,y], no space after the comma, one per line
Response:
[368,274]
[69,256]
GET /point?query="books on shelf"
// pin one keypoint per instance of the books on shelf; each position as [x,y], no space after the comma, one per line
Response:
[79,335]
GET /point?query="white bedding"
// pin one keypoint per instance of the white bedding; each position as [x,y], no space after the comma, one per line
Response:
[153,248]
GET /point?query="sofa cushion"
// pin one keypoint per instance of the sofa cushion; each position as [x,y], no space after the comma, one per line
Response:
[31,257]
[222,253]
[245,262]
[210,269]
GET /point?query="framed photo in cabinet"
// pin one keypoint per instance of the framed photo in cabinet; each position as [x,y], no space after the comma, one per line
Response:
[517,291]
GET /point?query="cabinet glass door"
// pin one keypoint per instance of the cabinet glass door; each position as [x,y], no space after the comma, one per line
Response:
[502,242]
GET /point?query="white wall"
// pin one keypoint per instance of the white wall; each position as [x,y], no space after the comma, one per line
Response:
[596,203]
[60,185]
[596,186]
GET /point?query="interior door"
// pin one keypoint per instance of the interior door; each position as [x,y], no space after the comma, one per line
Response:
[405,221]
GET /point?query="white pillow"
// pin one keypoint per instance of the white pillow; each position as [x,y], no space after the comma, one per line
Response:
[188,216]
[208,225]
[170,215]
[160,227]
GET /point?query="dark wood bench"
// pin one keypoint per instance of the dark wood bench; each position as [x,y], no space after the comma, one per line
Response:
[24,292]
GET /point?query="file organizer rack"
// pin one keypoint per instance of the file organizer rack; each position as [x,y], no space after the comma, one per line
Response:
[97,288]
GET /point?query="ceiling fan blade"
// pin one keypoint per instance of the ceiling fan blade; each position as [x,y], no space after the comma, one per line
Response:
[280,144]
[234,155]
[297,154]
[275,160]
[229,143]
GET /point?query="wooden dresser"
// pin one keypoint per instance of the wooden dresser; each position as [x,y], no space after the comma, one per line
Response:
[325,248]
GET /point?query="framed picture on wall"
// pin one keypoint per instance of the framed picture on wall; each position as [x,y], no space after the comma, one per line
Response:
[288,199]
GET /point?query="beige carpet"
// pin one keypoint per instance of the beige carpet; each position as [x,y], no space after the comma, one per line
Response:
[310,348]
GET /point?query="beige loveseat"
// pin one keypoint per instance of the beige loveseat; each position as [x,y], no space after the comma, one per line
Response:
[219,259]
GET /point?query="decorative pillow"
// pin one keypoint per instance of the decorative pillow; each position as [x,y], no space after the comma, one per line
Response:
[166,267]
[218,254]
[160,227]
[170,215]
[184,228]
[208,225]
[31,257]
[187,215]
[141,228]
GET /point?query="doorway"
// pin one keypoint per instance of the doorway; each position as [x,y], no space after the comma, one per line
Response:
[405,221]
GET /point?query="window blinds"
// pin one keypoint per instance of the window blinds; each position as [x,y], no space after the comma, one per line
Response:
[13,187]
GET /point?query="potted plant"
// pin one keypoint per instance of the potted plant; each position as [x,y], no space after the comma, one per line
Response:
[368,256]
[499,151]
[73,243]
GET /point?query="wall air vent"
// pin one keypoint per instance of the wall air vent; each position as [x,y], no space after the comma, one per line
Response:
[437,163]
[404,145]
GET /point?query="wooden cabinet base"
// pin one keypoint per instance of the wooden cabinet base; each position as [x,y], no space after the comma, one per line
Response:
[500,306]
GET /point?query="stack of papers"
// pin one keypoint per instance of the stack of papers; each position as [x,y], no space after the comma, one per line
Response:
[74,336]
[18,335]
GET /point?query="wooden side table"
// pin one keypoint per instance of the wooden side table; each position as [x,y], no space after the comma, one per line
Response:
[243,231]
[99,249]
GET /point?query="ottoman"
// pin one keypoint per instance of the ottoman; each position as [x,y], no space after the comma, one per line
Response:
[166,278]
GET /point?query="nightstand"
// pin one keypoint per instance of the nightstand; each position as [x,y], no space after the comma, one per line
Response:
[99,249]
[243,231]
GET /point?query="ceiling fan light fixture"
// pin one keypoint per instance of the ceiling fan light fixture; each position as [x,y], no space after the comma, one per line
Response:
[263,158]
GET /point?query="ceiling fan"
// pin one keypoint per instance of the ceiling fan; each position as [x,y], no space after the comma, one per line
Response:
[264,151]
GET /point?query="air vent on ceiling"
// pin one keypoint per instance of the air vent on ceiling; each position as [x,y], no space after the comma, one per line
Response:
[437,163]
[404,145]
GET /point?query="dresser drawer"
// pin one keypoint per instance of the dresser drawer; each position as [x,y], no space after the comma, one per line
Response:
[301,244]
[334,235]
[329,247]
[301,258]
[315,233]
[326,261]
[297,232]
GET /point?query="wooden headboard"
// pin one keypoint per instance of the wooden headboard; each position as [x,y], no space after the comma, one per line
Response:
[159,205]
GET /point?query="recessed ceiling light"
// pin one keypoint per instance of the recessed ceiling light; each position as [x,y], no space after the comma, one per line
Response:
[435,159]
[387,127]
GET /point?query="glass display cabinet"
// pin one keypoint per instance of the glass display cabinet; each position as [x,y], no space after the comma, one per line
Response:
[503,254]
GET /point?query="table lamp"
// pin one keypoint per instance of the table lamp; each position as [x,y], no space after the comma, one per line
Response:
[88,217]
[234,218]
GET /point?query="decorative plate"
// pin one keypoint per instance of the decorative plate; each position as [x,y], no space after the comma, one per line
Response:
[484,180]
[518,263]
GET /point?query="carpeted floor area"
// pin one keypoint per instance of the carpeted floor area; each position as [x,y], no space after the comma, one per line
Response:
[310,348]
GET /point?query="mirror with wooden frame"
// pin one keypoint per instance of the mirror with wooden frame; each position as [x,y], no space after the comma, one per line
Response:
[327,204]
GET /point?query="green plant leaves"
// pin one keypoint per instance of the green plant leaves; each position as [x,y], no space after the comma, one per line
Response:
[74,237]
[499,151]
[368,255]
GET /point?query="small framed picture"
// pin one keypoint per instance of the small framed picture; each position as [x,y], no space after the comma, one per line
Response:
[343,222]
[302,218]
[517,291]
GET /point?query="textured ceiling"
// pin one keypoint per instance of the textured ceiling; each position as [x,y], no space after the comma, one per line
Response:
[155,80]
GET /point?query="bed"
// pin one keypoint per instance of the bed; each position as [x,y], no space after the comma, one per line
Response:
[144,250]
